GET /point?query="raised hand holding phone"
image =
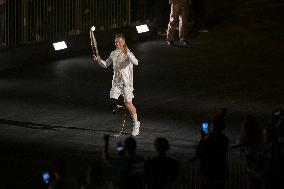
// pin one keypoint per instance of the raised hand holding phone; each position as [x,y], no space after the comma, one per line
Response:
[46,177]
[205,128]
[119,147]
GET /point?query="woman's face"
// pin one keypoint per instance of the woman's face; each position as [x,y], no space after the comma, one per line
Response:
[119,42]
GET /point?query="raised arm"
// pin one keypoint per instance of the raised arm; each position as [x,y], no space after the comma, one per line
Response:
[106,145]
[132,58]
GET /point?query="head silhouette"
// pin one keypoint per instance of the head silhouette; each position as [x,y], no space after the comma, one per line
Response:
[59,167]
[162,145]
[130,145]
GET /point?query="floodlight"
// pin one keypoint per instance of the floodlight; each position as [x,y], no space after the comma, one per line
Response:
[142,28]
[59,45]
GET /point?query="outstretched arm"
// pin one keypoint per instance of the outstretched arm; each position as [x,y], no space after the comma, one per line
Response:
[103,63]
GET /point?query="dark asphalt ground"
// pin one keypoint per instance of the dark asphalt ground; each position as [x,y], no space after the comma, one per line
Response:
[60,108]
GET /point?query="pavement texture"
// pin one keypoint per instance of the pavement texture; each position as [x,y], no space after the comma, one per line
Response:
[61,108]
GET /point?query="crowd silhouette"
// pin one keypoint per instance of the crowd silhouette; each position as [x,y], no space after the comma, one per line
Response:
[259,144]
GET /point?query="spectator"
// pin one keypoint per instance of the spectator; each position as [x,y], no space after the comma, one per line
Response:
[161,170]
[95,177]
[212,150]
[136,164]
[61,179]
[277,122]
[179,15]
[128,165]
[274,131]
[254,148]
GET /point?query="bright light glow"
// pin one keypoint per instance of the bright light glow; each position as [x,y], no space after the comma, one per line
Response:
[59,45]
[93,28]
[142,28]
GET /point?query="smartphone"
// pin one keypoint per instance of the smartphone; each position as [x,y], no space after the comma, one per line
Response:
[277,113]
[205,128]
[119,147]
[46,177]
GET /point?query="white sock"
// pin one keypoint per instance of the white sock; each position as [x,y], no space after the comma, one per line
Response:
[134,117]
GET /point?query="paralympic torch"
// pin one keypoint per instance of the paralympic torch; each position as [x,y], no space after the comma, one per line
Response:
[94,41]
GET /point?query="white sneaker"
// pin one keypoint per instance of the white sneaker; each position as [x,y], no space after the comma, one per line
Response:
[135,130]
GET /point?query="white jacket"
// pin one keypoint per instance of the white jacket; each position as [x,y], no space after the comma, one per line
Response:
[122,67]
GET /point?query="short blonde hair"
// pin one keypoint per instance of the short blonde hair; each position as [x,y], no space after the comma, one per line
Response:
[120,35]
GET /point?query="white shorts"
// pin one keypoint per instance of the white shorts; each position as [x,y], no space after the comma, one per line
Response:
[126,92]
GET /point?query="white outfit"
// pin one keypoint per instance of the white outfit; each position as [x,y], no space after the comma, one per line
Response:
[122,81]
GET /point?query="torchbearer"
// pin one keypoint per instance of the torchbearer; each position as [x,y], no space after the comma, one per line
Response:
[122,83]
